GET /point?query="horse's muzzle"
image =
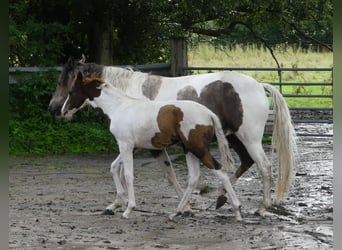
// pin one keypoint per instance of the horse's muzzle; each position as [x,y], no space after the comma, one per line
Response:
[54,111]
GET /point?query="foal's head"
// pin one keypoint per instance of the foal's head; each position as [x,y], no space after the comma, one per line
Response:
[68,74]
[83,89]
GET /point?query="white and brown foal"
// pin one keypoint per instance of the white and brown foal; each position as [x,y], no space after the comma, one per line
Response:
[155,125]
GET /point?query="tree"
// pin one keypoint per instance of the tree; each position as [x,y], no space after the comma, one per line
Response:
[138,31]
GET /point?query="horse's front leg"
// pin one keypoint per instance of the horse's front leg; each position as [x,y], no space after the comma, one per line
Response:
[126,152]
[117,170]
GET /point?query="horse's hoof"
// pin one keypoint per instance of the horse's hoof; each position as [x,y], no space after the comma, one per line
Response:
[221,200]
[188,213]
[107,212]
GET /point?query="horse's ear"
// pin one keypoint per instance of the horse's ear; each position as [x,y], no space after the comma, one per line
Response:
[82,60]
[70,64]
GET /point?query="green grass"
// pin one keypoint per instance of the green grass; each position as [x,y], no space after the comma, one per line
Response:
[253,57]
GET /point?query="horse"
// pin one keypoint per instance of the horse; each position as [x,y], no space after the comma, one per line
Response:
[155,125]
[240,102]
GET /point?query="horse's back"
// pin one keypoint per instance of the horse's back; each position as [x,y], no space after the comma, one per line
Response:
[237,99]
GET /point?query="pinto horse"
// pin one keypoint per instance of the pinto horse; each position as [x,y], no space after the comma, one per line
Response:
[155,125]
[238,100]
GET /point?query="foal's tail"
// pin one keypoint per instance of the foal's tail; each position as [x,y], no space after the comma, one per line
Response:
[283,140]
[225,154]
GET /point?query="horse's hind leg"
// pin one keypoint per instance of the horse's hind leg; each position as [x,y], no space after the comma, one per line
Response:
[194,174]
[245,158]
[246,163]
[258,154]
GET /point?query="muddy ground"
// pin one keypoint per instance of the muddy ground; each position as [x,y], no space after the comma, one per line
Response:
[55,202]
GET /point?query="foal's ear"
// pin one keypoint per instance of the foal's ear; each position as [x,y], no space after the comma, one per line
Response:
[79,78]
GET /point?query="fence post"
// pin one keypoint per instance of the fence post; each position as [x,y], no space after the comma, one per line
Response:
[179,56]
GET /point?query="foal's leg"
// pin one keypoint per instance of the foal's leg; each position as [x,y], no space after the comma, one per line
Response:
[126,152]
[166,165]
[117,170]
[194,174]
[230,191]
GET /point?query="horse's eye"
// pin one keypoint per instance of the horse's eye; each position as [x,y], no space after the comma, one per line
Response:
[70,92]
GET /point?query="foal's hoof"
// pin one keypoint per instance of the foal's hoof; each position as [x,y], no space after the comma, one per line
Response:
[237,212]
[221,200]
[107,212]
[261,212]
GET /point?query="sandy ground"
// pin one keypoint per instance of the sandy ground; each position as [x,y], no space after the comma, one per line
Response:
[55,202]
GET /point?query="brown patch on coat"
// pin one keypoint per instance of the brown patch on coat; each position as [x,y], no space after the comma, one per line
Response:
[199,138]
[187,93]
[221,98]
[225,102]
[168,119]
[151,86]
[198,143]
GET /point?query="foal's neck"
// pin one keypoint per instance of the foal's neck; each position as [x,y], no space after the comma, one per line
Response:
[111,99]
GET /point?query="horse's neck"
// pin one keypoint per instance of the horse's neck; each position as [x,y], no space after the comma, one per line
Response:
[126,80]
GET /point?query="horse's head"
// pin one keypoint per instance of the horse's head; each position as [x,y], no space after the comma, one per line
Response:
[66,78]
[82,90]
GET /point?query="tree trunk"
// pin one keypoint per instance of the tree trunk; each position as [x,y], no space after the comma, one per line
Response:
[101,42]
[179,56]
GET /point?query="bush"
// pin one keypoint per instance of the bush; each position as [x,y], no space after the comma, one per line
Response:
[33,131]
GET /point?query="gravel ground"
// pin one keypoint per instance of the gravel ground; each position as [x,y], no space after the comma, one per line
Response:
[55,202]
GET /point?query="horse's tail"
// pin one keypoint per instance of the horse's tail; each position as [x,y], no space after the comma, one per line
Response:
[225,154]
[283,140]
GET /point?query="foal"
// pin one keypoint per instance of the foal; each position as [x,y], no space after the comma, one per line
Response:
[137,123]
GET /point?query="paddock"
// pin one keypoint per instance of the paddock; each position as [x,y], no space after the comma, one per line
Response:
[55,202]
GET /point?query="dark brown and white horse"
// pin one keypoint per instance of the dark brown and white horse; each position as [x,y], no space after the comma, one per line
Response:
[238,100]
[155,125]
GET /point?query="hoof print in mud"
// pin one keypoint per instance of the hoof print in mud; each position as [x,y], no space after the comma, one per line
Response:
[221,200]
[107,212]
[278,209]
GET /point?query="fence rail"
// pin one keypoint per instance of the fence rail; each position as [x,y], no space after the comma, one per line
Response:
[165,69]
[280,83]
[153,68]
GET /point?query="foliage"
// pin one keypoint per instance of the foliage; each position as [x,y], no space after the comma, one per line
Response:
[32,130]
[47,34]
[34,40]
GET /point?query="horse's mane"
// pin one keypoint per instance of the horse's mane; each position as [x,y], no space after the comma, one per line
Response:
[118,77]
